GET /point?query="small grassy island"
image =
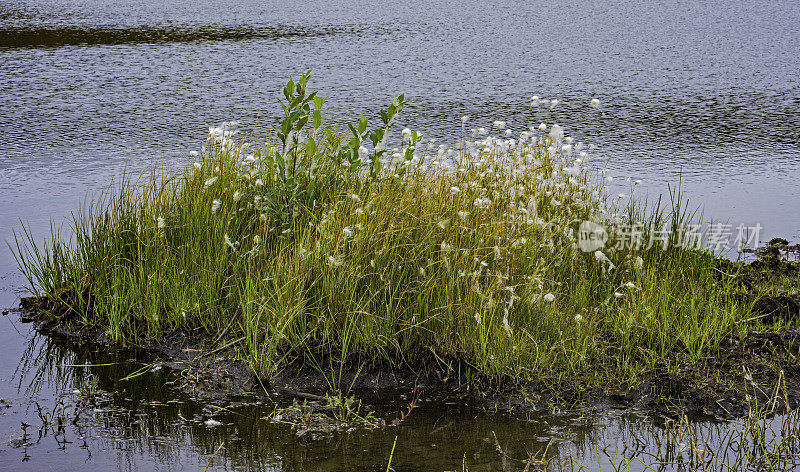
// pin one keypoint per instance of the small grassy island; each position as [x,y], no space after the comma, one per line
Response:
[327,251]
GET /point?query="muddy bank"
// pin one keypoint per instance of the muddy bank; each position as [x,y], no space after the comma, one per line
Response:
[762,281]
[761,367]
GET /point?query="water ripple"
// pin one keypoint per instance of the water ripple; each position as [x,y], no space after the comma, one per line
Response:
[55,36]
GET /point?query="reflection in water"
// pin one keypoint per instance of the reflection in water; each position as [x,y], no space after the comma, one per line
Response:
[96,35]
[98,421]
[131,423]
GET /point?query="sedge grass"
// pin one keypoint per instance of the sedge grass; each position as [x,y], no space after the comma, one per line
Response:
[311,244]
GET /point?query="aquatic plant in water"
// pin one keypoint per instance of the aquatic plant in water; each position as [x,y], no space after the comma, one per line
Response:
[338,246]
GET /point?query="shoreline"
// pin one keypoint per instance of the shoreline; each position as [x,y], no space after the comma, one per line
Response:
[503,268]
[712,388]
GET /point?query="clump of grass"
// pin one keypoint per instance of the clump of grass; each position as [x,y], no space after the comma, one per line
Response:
[317,243]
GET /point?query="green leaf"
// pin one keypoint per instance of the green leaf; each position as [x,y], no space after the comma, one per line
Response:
[362,125]
[317,119]
[376,136]
[286,125]
[295,101]
[288,91]
[304,78]
[311,146]
[301,122]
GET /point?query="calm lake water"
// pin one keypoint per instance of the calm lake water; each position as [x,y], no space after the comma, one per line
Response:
[704,92]
[146,424]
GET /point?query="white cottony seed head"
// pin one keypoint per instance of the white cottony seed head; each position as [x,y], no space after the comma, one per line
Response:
[638,262]
[227,241]
[334,262]
[556,132]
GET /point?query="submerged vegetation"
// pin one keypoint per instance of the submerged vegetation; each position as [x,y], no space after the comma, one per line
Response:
[758,441]
[330,248]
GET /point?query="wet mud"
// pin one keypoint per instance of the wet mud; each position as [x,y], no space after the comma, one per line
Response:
[760,368]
